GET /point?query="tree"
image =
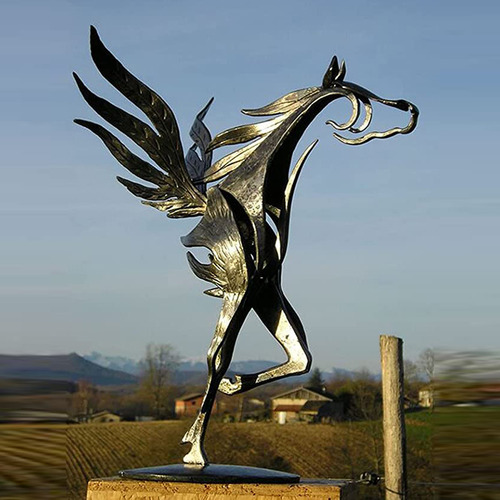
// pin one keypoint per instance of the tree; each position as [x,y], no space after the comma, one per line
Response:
[427,360]
[411,371]
[412,379]
[365,403]
[84,400]
[158,367]
[316,380]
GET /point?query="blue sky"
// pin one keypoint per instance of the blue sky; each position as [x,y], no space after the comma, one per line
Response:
[398,236]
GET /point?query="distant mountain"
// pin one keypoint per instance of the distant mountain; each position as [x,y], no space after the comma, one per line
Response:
[103,370]
[194,371]
[120,363]
[132,366]
[70,367]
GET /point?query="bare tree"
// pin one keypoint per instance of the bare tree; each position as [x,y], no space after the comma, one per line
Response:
[412,379]
[158,367]
[411,371]
[85,400]
[427,361]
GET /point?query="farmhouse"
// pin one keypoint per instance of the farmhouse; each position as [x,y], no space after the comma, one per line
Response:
[307,405]
[189,404]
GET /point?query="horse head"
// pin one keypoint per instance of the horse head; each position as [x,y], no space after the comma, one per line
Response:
[334,83]
[290,115]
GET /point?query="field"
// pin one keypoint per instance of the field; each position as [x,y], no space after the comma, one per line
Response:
[97,450]
[32,455]
[308,450]
[467,450]
[35,454]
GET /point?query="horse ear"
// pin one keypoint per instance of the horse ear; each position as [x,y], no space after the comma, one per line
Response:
[334,73]
[342,71]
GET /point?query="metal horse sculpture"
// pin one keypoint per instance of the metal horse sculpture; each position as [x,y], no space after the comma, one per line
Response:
[244,217]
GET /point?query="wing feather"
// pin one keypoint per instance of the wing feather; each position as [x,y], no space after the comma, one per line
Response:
[196,165]
[146,99]
[136,130]
[162,143]
[129,160]
[147,193]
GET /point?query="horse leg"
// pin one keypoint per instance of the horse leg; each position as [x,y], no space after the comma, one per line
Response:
[283,322]
[233,313]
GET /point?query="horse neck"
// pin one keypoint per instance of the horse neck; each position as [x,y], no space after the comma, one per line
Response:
[281,143]
[289,133]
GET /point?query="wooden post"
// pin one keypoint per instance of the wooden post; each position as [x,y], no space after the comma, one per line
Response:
[391,354]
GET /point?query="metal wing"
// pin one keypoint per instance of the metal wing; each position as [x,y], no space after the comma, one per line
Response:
[175,192]
[198,164]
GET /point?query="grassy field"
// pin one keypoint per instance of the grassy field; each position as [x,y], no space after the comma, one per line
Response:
[467,450]
[35,455]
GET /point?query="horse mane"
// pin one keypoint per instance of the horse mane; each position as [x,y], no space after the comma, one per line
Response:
[254,133]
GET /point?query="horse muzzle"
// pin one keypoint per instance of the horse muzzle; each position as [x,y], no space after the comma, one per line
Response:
[359,96]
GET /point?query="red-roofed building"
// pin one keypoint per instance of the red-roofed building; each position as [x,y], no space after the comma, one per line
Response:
[189,404]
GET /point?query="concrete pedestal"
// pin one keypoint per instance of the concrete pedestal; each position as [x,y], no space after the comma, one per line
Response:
[115,488]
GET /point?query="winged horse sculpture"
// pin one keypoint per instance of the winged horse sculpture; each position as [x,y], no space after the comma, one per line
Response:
[245,213]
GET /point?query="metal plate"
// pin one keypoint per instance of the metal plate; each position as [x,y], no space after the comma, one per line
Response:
[212,473]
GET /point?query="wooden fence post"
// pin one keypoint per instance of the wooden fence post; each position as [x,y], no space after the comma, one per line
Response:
[391,354]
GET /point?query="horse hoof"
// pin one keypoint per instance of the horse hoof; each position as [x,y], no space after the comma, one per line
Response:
[196,456]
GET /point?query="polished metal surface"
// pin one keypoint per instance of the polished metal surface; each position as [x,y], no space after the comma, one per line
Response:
[244,216]
[216,473]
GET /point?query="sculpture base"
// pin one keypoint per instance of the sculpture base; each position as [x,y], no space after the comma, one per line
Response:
[212,473]
[132,489]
